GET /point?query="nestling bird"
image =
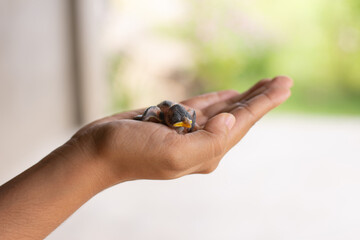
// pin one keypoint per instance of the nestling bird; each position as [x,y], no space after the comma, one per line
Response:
[171,114]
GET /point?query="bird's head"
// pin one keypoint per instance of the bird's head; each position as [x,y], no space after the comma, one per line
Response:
[179,117]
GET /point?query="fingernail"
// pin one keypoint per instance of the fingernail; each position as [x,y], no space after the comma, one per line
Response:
[230,121]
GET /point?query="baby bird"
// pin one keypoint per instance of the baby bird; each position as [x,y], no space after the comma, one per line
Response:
[171,114]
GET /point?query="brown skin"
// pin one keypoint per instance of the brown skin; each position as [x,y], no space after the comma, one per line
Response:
[116,149]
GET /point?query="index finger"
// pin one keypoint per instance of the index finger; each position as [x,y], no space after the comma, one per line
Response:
[251,110]
[203,101]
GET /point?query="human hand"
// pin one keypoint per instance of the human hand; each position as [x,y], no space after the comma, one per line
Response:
[117,149]
[127,149]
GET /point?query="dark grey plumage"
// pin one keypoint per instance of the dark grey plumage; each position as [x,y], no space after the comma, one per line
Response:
[174,115]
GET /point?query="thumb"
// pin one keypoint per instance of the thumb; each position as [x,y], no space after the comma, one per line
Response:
[220,124]
[211,141]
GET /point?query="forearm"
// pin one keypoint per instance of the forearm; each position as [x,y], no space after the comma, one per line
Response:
[34,203]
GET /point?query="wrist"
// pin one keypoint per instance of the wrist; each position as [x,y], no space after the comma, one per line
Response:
[81,158]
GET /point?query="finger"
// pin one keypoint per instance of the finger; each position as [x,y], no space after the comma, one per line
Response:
[254,88]
[284,82]
[258,91]
[251,110]
[202,101]
[221,106]
[205,145]
[219,126]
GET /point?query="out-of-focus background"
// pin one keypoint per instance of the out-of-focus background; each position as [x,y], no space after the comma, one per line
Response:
[294,176]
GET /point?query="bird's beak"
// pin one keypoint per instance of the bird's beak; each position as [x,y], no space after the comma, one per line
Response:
[187,123]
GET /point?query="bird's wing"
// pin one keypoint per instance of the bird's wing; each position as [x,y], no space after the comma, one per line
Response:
[152,114]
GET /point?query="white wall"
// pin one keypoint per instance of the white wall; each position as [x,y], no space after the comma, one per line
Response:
[35,84]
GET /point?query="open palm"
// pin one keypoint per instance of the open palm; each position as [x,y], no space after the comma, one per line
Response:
[137,150]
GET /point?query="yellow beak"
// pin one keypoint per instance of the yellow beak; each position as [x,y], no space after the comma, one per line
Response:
[183,124]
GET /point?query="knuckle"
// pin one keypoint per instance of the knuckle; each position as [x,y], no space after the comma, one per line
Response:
[246,106]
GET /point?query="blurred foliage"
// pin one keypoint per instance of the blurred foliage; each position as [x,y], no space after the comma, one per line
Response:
[316,42]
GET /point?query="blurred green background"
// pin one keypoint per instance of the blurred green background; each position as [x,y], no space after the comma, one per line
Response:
[236,43]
